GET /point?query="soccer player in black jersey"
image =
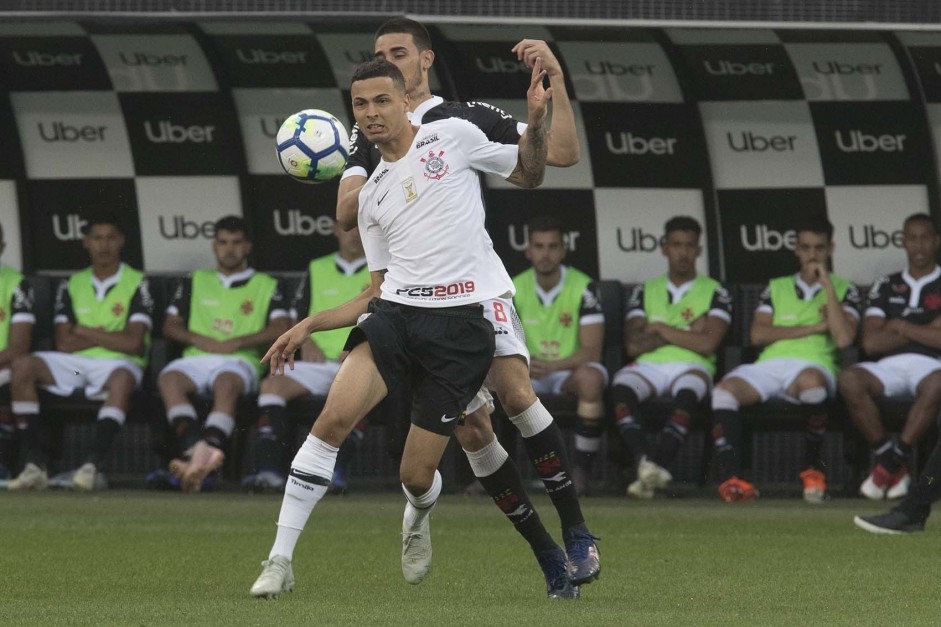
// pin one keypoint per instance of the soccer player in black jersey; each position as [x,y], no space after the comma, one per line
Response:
[407,44]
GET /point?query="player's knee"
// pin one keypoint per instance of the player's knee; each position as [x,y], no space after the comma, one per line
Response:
[851,384]
[228,385]
[273,385]
[517,398]
[417,479]
[476,432]
[810,379]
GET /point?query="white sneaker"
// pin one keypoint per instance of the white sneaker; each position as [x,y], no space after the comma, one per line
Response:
[871,490]
[653,475]
[84,477]
[32,478]
[276,577]
[416,551]
[639,490]
[900,489]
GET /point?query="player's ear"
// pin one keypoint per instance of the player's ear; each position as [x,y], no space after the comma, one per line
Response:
[427,59]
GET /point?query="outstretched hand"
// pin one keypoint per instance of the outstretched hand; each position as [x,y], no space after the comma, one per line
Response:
[538,96]
[529,50]
[283,349]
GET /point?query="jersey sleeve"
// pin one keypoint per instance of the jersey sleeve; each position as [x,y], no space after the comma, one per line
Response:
[852,300]
[21,305]
[62,309]
[721,305]
[300,300]
[278,305]
[877,301]
[590,311]
[483,154]
[764,301]
[359,162]
[180,301]
[635,303]
[496,124]
[142,305]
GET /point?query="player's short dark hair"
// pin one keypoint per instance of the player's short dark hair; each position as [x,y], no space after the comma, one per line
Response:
[546,224]
[233,224]
[101,217]
[682,223]
[819,225]
[921,217]
[409,27]
[379,68]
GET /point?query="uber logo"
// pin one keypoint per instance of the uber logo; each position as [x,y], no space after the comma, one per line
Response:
[359,56]
[835,67]
[34,58]
[637,240]
[181,228]
[858,141]
[733,68]
[764,238]
[259,55]
[153,60]
[68,227]
[869,236]
[630,144]
[168,132]
[616,69]
[519,241]
[498,65]
[60,131]
[293,222]
[752,142]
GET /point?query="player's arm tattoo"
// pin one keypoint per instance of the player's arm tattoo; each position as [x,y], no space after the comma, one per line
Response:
[531,164]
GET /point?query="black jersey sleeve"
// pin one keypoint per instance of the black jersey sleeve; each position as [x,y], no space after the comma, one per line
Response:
[590,311]
[180,301]
[21,305]
[62,309]
[142,305]
[278,305]
[721,305]
[852,300]
[877,301]
[635,303]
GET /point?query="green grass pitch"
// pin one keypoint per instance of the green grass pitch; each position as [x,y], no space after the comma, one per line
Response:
[137,558]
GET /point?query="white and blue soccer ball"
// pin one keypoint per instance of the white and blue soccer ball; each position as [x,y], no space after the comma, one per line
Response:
[313,146]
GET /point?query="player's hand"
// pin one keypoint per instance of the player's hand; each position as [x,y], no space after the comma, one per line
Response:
[896,325]
[539,368]
[312,353]
[283,349]
[529,50]
[820,272]
[538,96]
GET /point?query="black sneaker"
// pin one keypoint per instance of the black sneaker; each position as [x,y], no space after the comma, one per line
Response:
[584,565]
[893,523]
[555,568]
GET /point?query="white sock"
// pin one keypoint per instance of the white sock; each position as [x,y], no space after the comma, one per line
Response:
[417,508]
[310,476]
[487,460]
[533,420]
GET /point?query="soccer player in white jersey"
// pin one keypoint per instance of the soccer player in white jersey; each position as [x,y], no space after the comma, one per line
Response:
[426,328]
[407,44]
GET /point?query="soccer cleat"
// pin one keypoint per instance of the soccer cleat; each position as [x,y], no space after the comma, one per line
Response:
[893,523]
[416,551]
[584,566]
[881,483]
[735,490]
[84,477]
[653,475]
[639,490]
[815,486]
[276,577]
[555,567]
[264,481]
[32,478]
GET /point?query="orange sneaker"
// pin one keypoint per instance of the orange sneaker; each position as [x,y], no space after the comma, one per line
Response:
[815,486]
[736,490]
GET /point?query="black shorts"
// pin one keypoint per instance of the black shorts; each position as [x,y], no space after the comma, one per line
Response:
[442,354]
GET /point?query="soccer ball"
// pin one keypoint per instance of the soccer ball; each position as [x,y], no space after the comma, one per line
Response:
[313,146]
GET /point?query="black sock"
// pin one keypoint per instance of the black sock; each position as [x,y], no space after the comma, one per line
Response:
[927,489]
[727,436]
[186,430]
[815,417]
[213,436]
[506,488]
[9,442]
[270,446]
[547,451]
[674,433]
[884,452]
[105,431]
[630,430]
[903,454]
[30,428]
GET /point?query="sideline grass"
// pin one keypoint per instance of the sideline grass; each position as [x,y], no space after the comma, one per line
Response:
[137,558]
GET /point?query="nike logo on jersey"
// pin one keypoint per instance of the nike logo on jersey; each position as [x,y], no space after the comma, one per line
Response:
[379,202]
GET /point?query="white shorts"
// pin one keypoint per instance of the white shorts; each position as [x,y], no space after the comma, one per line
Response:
[773,377]
[553,383]
[483,399]
[901,374]
[203,370]
[76,372]
[315,377]
[510,338]
[661,375]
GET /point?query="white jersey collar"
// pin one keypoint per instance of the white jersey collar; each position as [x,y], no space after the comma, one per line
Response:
[415,117]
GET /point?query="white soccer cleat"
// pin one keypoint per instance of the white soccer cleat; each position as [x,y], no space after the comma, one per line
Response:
[84,477]
[32,478]
[900,488]
[416,551]
[639,490]
[276,577]
[653,475]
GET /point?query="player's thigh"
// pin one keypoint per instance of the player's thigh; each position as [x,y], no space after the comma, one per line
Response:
[476,432]
[588,380]
[357,388]
[509,378]
[744,391]
[33,369]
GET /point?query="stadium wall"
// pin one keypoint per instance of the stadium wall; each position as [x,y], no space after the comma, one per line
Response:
[172,124]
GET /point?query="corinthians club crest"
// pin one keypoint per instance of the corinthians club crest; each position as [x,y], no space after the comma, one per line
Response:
[435,167]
